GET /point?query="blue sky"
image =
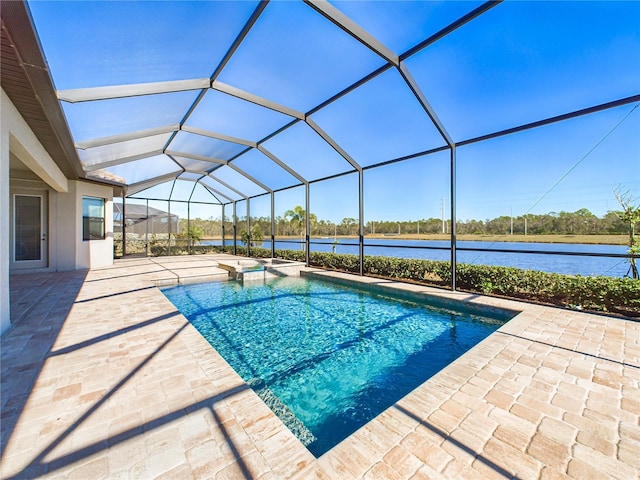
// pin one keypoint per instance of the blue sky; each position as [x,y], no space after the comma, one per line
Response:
[517,63]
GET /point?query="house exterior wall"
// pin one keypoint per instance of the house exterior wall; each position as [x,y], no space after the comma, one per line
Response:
[66,248]
[5,320]
[66,238]
[23,182]
[94,253]
[73,252]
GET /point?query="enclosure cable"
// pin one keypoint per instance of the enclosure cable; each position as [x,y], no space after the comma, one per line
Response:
[581,159]
[615,265]
[575,165]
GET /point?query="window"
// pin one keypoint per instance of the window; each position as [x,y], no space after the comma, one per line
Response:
[92,218]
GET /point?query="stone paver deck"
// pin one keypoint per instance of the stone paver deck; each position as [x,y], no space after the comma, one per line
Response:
[103,378]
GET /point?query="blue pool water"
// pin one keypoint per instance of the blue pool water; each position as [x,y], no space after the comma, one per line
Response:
[326,358]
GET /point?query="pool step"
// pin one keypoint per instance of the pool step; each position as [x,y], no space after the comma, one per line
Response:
[252,269]
[283,412]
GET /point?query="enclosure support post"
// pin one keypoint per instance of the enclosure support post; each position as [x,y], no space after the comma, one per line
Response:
[453,217]
[273,225]
[307,223]
[235,230]
[146,231]
[169,224]
[188,228]
[222,229]
[124,227]
[361,219]
[248,227]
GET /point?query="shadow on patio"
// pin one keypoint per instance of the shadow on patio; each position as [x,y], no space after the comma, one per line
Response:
[39,307]
[103,378]
[81,391]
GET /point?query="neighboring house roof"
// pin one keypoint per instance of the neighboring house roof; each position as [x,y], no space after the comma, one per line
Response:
[137,211]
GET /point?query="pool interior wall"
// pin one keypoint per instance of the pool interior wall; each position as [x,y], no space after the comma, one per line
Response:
[400,291]
[325,390]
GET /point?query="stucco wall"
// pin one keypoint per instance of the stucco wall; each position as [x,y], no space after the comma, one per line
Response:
[4,227]
[94,253]
[67,250]
[64,256]
[74,253]
[17,138]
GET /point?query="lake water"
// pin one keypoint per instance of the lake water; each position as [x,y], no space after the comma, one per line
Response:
[439,250]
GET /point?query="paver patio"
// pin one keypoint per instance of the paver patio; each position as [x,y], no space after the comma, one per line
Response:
[103,378]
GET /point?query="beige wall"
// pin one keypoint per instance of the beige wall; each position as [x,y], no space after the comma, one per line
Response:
[94,253]
[66,249]
[72,252]
[4,225]
[65,238]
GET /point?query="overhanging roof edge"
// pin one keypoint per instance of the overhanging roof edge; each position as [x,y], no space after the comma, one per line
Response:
[25,52]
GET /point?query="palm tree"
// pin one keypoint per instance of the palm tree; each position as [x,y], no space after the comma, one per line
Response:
[253,238]
[297,218]
[347,223]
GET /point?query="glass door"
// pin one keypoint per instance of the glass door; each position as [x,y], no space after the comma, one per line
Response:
[29,231]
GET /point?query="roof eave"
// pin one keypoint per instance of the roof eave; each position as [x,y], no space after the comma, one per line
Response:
[27,82]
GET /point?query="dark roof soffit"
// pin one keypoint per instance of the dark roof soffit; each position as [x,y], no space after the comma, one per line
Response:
[27,81]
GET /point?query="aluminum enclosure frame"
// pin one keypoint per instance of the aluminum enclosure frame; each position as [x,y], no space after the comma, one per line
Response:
[203,85]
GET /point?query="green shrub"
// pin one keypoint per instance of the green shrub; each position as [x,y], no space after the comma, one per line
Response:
[601,294]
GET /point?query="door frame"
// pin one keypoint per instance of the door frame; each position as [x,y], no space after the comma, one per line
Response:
[43,262]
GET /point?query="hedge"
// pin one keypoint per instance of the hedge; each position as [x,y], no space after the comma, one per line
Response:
[600,294]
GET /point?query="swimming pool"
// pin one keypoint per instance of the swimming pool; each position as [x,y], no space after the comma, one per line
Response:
[327,358]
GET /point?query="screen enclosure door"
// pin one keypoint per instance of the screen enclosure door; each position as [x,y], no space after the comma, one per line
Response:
[29,231]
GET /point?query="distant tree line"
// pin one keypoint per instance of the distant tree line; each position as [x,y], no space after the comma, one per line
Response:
[580,222]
